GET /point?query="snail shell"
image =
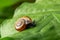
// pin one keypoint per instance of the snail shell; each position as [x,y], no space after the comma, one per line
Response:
[20,25]
[22,22]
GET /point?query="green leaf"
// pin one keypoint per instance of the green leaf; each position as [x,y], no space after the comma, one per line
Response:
[6,38]
[8,29]
[56,23]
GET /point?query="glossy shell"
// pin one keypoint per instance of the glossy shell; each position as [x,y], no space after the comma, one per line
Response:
[22,22]
[20,25]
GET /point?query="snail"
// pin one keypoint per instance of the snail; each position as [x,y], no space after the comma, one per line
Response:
[22,22]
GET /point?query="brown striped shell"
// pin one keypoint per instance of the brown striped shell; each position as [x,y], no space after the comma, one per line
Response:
[22,22]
